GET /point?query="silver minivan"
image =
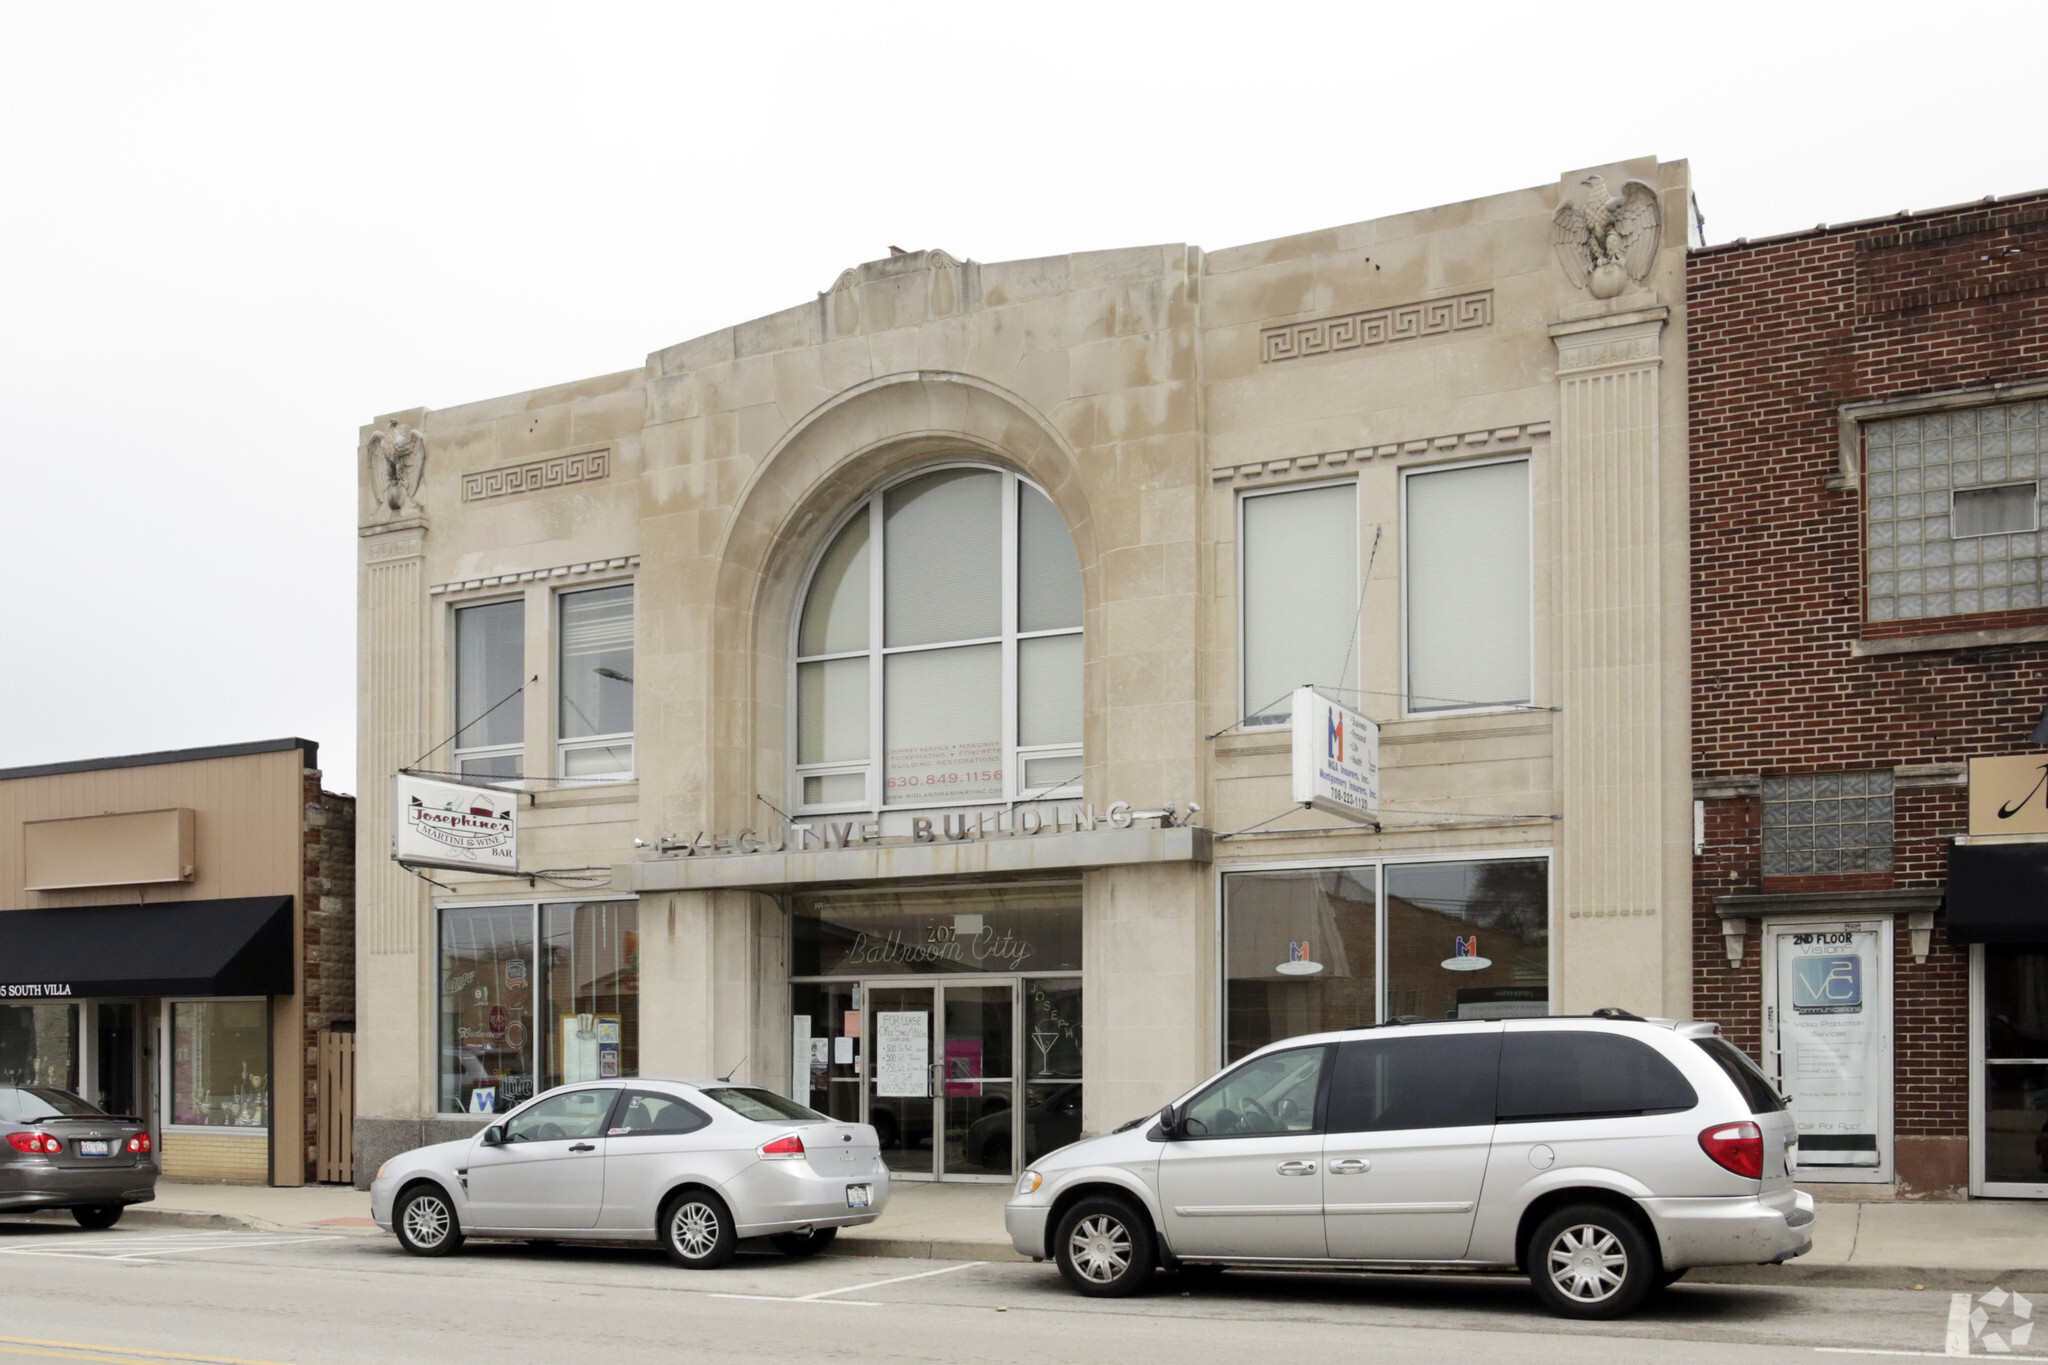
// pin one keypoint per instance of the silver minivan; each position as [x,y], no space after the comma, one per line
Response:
[1603,1155]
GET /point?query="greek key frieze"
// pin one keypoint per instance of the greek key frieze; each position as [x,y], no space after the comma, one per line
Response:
[533,476]
[1377,326]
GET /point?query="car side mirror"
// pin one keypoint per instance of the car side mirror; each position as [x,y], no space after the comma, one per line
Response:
[494,1136]
[1169,1122]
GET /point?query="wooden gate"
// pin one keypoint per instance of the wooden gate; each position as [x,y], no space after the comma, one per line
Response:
[336,1110]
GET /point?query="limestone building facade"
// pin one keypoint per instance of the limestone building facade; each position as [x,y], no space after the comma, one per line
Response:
[896,687]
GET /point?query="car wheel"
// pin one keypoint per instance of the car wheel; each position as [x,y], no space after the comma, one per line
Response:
[98,1216]
[1591,1261]
[1105,1247]
[801,1244]
[697,1230]
[426,1224]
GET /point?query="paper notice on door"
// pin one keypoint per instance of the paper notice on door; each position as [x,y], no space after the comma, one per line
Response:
[842,1051]
[903,1052]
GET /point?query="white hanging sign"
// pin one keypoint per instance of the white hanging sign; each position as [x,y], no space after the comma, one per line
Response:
[1336,758]
[454,825]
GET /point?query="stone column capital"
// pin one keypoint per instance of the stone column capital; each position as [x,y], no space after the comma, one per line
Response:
[1632,338]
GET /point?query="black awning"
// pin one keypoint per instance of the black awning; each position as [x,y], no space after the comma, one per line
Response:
[222,947]
[1998,893]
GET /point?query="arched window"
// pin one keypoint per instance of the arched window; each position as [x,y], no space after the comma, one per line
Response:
[939,649]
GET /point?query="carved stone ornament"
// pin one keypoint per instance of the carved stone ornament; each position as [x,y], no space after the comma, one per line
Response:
[398,461]
[1609,240]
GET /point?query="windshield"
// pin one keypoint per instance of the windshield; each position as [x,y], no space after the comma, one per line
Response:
[763,1106]
[26,1104]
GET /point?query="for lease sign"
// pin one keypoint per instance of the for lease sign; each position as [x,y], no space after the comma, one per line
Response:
[454,825]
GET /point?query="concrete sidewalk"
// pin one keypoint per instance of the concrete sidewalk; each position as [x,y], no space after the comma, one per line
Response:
[1938,1246]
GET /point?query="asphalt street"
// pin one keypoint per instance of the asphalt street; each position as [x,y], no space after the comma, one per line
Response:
[245,1298]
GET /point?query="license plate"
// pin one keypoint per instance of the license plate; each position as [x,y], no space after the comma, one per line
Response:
[92,1149]
[859,1196]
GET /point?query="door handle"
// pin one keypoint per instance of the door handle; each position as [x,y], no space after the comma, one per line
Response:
[1297,1168]
[1350,1165]
[584,1147]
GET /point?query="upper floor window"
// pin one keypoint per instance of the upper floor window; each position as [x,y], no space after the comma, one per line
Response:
[1818,823]
[490,664]
[1954,511]
[594,721]
[941,635]
[1468,609]
[1298,597]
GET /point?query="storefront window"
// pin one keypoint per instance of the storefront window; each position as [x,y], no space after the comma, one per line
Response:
[593,991]
[580,962]
[1468,940]
[1020,929]
[1463,940]
[39,1045]
[220,1063]
[1299,953]
[1052,1065]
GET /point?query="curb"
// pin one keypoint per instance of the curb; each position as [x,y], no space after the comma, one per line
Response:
[924,1249]
[1931,1278]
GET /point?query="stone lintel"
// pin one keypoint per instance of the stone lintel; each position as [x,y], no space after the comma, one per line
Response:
[1009,856]
[1845,904]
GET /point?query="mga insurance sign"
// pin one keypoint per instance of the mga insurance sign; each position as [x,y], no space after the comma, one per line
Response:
[454,825]
[1336,757]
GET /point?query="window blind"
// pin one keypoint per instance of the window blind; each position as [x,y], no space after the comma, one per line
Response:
[1300,596]
[1468,608]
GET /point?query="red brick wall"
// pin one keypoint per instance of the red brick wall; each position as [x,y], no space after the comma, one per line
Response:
[1781,334]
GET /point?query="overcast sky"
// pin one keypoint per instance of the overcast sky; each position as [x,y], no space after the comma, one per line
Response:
[233,235]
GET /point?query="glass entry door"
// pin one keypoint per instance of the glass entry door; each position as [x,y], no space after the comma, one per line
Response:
[117,1070]
[942,1077]
[2010,1039]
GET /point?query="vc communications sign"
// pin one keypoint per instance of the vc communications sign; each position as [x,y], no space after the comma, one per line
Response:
[454,825]
[1336,758]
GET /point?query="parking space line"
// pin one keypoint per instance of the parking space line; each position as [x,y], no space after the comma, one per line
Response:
[778,1298]
[144,1250]
[876,1284]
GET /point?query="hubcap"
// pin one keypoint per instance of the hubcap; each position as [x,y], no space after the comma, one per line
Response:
[1587,1263]
[1100,1248]
[694,1230]
[426,1222]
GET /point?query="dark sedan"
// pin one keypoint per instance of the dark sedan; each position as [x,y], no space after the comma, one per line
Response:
[59,1152]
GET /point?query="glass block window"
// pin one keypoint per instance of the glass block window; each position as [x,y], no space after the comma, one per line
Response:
[1942,541]
[1827,822]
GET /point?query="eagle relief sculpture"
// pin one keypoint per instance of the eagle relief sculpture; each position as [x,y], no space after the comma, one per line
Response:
[1611,240]
[398,461]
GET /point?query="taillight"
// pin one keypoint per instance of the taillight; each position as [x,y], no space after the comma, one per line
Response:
[789,1148]
[37,1144]
[139,1143]
[1737,1147]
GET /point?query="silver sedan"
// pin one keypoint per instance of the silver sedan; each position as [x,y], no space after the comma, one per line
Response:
[58,1151]
[694,1165]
